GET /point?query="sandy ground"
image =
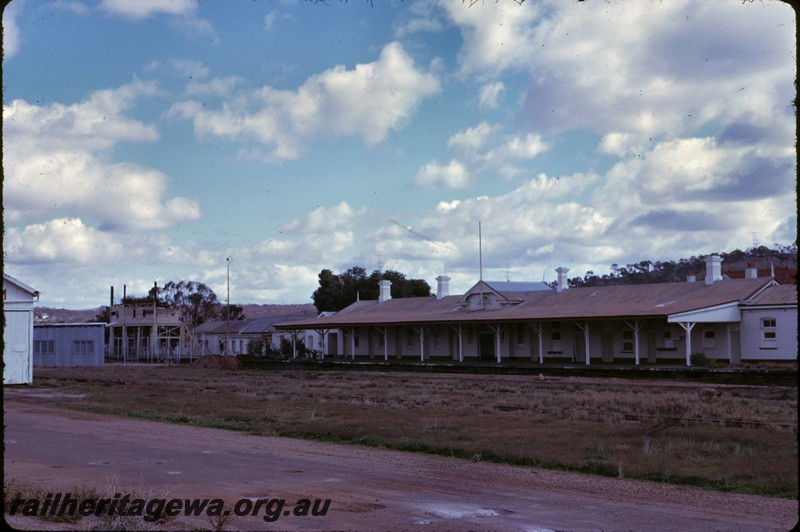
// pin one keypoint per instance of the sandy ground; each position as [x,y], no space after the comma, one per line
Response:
[370,489]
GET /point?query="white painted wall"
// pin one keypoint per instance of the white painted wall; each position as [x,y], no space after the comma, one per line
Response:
[17,333]
[752,344]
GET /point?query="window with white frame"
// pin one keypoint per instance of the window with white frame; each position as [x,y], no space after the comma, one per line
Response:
[709,338]
[627,341]
[769,333]
[437,336]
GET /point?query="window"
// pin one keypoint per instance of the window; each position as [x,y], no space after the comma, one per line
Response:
[381,341]
[410,336]
[520,334]
[555,340]
[44,347]
[82,347]
[469,334]
[437,335]
[769,333]
[709,338]
[668,340]
[355,339]
[627,341]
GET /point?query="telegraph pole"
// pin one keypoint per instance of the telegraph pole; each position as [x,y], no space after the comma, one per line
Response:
[228,311]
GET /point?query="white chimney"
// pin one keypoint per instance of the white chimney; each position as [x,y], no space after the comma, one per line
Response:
[442,286]
[562,279]
[385,290]
[751,272]
[713,269]
[690,277]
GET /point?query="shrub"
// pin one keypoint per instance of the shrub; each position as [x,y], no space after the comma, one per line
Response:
[698,359]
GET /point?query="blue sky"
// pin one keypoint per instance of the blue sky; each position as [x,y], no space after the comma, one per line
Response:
[148,141]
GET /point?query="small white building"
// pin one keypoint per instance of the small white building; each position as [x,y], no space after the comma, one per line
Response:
[18,299]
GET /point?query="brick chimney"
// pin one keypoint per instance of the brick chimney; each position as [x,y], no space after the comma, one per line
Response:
[562,279]
[713,269]
[442,286]
[751,272]
[384,290]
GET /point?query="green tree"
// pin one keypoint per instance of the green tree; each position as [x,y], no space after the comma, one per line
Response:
[672,271]
[196,302]
[336,292]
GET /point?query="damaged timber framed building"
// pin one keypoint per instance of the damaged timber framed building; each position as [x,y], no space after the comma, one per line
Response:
[147,331]
[732,320]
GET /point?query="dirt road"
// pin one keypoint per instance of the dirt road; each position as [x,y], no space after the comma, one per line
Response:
[370,489]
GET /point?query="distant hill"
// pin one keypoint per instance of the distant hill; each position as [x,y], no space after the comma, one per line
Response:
[63,315]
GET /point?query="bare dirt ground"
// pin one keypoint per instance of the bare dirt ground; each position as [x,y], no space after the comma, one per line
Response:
[370,489]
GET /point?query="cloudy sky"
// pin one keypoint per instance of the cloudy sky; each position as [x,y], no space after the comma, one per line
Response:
[147,141]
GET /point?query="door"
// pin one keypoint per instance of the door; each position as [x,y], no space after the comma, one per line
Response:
[608,347]
[736,346]
[333,344]
[652,354]
[17,350]
[579,348]
[487,346]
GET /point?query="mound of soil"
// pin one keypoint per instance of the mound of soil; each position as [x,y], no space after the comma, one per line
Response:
[218,362]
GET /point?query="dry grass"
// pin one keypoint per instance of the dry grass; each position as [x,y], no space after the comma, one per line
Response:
[736,438]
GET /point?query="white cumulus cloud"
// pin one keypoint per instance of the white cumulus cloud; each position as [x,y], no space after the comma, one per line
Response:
[141,9]
[452,175]
[368,101]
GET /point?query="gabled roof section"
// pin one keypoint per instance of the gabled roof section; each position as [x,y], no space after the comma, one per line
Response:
[775,295]
[519,287]
[508,292]
[19,284]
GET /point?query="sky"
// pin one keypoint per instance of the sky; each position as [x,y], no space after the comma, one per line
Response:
[150,141]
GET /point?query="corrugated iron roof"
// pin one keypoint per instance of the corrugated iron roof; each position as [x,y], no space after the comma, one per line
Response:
[247,326]
[519,286]
[577,303]
[776,295]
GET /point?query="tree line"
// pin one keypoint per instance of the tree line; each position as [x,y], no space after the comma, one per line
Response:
[649,272]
